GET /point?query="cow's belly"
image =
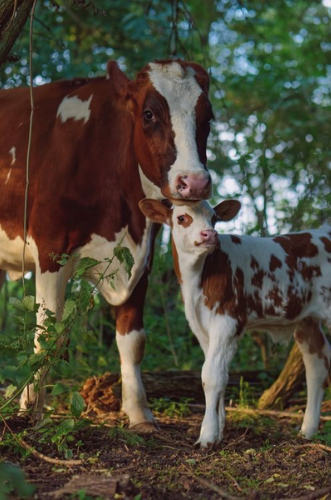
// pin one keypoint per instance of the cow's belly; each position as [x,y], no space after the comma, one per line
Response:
[100,249]
[11,254]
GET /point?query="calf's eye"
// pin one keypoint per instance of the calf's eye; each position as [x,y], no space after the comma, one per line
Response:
[181,219]
[148,115]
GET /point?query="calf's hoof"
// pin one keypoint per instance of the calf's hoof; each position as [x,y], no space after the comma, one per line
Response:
[207,445]
[144,428]
[307,433]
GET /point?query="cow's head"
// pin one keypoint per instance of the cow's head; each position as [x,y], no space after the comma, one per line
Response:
[172,114]
[192,226]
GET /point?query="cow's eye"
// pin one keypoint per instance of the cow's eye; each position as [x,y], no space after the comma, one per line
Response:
[148,115]
[181,219]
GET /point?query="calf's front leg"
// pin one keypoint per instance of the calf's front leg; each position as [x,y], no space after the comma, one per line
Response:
[221,349]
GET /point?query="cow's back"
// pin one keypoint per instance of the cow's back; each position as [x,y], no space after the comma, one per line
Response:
[79,148]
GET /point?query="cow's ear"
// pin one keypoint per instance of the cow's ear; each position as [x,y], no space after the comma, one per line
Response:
[227,210]
[155,211]
[118,80]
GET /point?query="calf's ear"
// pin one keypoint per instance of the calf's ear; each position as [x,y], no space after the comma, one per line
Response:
[227,210]
[155,211]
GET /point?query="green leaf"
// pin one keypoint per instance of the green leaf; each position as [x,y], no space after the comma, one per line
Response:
[12,480]
[11,389]
[84,265]
[85,297]
[125,257]
[58,389]
[15,302]
[29,303]
[69,309]
[77,404]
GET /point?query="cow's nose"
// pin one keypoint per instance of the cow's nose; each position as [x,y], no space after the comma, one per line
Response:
[194,186]
[208,236]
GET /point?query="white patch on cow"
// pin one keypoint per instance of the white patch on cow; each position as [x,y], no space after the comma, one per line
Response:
[149,188]
[134,402]
[73,107]
[181,91]
[100,248]
[11,252]
[12,152]
[8,176]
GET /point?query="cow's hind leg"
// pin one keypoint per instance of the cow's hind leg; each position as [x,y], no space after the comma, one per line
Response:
[131,337]
[50,292]
[316,352]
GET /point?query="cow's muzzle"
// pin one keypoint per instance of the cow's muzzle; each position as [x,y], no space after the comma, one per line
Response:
[193,186]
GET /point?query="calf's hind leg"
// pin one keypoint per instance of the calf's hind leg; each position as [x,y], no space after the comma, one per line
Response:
[131,337]
[316,352]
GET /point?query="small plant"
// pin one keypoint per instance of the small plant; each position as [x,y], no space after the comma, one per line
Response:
[246,394]
[126,436]
[171,408]
[324,434]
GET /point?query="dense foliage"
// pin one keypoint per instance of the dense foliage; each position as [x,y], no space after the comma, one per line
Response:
[270,145]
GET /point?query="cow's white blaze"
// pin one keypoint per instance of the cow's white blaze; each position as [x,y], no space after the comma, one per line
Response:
[73,107]
[181,91]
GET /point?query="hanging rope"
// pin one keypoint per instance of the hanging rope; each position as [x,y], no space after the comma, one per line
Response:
[27,171]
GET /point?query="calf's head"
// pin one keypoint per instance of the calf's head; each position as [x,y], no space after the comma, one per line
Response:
[171,113]
[192,226]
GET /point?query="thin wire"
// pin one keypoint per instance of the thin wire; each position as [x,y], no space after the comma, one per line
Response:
[27,171]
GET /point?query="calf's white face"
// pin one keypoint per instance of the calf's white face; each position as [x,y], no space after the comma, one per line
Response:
[192,225]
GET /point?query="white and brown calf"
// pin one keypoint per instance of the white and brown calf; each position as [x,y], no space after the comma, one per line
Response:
[233,283]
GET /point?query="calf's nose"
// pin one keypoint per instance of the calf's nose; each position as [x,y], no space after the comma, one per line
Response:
[194,186]
[208,236]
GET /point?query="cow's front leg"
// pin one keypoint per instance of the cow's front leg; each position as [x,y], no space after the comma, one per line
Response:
[131,337]
[222,346]
[50,292]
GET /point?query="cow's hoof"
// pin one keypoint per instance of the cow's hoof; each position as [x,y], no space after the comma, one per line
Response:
[144,428]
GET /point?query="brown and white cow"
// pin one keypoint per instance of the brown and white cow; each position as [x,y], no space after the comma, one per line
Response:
[230,283]
[98,146]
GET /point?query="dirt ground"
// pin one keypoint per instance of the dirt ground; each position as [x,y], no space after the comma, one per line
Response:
[259,458]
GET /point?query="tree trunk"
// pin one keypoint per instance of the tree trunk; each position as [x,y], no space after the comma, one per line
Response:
[13,16]
[289,380]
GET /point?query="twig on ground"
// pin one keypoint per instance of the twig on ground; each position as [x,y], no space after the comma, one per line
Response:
[217,489]
[315,445]
[36,453]
[271,413]
[314,495]
[212,486]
